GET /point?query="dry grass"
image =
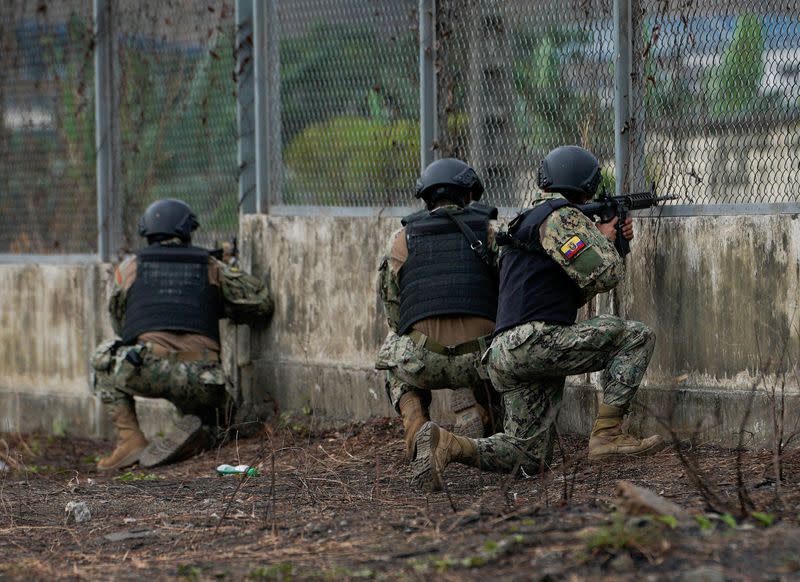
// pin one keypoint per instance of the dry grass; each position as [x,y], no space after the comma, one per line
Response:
[337,505]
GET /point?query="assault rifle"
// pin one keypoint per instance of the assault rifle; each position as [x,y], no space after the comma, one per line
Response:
[607,207]
[228,252]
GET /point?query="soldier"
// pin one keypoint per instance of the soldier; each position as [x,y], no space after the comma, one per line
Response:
[438,283]
[556,261]
[165,305]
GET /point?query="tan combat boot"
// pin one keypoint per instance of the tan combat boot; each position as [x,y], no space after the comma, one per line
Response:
[414,415]
[608,440]
[434,449]
[130,440]
[471,417]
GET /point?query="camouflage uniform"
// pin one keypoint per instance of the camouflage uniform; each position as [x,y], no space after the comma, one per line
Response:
[412,368]
[528,364]
[195,385]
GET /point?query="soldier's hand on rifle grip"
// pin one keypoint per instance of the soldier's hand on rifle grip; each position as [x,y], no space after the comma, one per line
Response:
[609,229]
[627,228]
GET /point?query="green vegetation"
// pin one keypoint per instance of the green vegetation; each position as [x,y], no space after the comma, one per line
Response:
[644,535]
[336,70]
[733,85]
[189,572]
[349,111]
[282,571]
[346,158]
[551,109]
[178,126]
[129,476]
[704,522]
[765,519]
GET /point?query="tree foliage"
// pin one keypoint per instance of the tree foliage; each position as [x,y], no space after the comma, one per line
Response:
[733,85]
[558,85]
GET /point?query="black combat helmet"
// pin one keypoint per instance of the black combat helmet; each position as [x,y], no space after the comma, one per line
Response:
[168,218]
[445,175]
[570,170]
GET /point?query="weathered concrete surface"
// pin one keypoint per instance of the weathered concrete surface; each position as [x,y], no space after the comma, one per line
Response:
[51,319]
[319,350]
[48,325]
[721,292]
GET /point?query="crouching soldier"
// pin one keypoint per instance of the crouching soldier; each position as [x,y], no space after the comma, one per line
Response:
[438,284]
[555,260]
[166,304]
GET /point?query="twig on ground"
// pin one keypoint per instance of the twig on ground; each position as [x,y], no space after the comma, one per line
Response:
[707,491]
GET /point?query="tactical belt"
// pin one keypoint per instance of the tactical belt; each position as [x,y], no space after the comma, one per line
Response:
[469,347]
[204,356]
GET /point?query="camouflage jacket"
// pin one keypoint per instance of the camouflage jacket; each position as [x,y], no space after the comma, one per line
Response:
[391,261]
[246,300]
[598,268]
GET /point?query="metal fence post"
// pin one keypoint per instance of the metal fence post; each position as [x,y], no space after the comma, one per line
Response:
[622,92]
[427,81]
[636,171]
[267,99]
[107,169]
[245,106]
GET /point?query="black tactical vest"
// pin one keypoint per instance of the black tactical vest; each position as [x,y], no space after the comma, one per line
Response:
[444,275]
[172,293]
[533,287]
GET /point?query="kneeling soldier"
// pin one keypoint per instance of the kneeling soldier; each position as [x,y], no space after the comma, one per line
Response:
[438,283]
[166,305]
[555,262]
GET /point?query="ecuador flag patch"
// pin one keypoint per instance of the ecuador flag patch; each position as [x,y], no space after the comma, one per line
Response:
[573,247]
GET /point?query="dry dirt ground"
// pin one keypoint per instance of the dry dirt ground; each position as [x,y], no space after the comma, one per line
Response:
[336,505]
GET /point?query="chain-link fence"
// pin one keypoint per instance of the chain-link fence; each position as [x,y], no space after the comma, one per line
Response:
[47,178]
[177,112]
[722,100]
[349,101]
[516,79]
[715,100]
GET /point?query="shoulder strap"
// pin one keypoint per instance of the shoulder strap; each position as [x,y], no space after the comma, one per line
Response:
[474,243]
[539,213]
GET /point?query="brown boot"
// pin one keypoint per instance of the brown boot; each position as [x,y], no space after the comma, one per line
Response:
[414,415]
[130,440]
[434,449]
[471,417]
[608,440]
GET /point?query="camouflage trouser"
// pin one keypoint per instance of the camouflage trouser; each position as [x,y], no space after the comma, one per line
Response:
[196,387]
[411,368]
[528,365]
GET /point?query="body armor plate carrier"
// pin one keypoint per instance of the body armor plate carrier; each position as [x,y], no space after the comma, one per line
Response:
[533,287]
[172,293]
[448,271]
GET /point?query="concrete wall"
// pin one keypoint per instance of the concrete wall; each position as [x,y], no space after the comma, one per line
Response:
[48,326]
[722,293]
[51,318]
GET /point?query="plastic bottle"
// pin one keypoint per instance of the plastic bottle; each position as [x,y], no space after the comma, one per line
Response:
[237,470]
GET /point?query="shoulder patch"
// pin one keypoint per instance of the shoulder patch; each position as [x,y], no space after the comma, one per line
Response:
[573,247]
